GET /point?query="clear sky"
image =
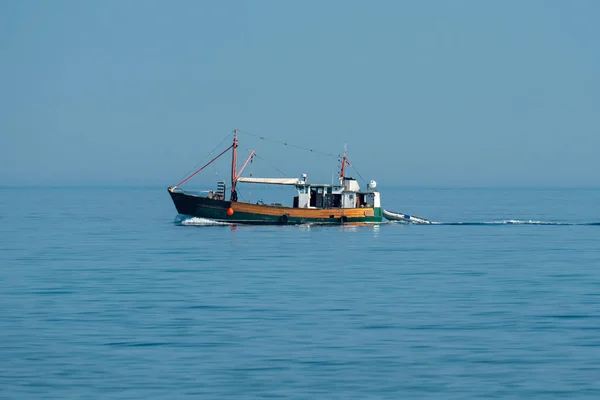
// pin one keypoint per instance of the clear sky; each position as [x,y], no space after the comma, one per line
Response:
[467,93]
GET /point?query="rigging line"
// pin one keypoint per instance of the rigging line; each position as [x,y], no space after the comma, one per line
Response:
[271,165]
[360,176]
[255,151]
[262,141]
[288,144]
[214,168]
[340,159]
[206,165]
[208,155]
[251,174]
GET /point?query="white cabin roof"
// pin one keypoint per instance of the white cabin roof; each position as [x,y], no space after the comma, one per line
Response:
[272,181]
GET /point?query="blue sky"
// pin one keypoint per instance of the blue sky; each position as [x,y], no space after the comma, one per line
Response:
[441,93]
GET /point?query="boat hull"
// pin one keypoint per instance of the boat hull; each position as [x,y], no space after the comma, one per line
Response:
[247,213]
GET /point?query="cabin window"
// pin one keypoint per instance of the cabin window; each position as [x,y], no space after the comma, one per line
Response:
[328,200]
[313,198]
[336,200]
[360,200]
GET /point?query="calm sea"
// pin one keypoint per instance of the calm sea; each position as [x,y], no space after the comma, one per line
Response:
[105,293]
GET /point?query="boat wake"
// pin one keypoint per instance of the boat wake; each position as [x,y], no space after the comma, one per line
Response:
[517,222]
[195,221]
[400,218]
[185,220]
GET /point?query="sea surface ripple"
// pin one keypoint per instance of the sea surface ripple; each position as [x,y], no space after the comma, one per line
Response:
[105,293]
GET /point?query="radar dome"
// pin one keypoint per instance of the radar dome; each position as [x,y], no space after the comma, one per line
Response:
[372,185]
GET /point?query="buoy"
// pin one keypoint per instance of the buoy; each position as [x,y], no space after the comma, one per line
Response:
[230,211]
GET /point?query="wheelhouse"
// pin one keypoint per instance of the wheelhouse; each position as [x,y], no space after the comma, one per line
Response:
[346,195]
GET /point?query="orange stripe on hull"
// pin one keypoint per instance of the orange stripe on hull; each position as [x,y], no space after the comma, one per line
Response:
[303,212]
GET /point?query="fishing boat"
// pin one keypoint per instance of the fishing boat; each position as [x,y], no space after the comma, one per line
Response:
[341,203]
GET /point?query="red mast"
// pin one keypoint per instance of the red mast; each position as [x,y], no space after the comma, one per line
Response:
[344,163]
[234,166]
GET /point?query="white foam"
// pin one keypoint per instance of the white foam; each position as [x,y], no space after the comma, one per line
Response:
[195,221]
[503,222]
[520,222]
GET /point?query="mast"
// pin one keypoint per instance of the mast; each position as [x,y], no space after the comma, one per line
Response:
[234,166]
[344,163]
